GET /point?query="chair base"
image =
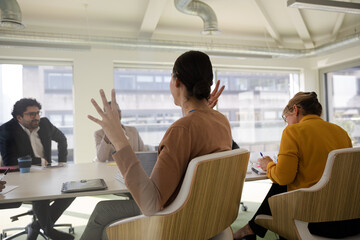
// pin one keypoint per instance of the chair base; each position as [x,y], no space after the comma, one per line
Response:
[243,207]
[3,236]
[68,225]
[22,231]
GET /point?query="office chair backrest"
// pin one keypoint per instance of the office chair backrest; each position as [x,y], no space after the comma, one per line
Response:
[208,202]
[338,192]
[335,197]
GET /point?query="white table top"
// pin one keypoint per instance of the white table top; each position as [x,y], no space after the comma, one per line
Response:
[45,183]
[253,177]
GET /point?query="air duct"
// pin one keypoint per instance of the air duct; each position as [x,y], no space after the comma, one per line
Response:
[10,15]
[201,9]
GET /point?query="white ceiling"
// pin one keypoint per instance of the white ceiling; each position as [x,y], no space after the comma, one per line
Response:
[263,24]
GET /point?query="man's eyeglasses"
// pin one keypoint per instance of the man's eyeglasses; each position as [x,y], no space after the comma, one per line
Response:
[33,114]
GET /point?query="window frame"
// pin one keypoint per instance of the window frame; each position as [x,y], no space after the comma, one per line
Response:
[326,86]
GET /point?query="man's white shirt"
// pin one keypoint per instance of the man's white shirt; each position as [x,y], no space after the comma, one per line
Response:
[35,142]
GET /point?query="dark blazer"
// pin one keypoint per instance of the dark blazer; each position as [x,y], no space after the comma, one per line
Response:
[15,143]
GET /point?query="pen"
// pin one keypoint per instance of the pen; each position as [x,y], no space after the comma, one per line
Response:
[261,154]
[6,171]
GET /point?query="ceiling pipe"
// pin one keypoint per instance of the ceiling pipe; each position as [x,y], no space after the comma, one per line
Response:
[354,39]
[201,9]
[10,15]
[72,42]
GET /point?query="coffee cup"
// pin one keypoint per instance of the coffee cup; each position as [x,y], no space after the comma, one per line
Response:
[24,164]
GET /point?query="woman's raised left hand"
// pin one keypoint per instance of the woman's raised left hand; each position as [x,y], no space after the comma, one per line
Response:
[215,94]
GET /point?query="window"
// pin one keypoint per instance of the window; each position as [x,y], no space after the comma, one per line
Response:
[146,102]
[252,101]
[49,85]
[343,100]
[142,80]
[58,81]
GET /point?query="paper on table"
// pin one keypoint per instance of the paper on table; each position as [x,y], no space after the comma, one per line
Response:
[258,170]
[7,189]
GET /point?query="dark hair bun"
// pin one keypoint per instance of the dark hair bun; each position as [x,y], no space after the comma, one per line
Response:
[194,70]
[201,89]
[308,102]
[314,94]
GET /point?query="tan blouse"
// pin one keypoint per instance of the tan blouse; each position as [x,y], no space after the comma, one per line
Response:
[198,133]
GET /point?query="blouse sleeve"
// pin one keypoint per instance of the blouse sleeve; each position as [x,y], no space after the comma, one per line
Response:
[152,193]
[284,171]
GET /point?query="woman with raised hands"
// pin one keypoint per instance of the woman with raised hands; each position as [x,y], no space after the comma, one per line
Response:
[201,130]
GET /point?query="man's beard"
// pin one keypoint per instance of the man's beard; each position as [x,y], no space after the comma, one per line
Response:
[34,124]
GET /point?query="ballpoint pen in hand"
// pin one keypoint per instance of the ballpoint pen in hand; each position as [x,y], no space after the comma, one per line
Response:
[258,164]
[6,171]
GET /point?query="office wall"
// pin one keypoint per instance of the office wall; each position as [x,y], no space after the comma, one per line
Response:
[93,69]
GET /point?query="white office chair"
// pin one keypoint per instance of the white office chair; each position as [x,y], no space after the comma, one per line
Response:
[335,197]
[206,206]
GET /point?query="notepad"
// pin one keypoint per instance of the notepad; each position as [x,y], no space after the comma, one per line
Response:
[83,185]
[258,170]
[8,188]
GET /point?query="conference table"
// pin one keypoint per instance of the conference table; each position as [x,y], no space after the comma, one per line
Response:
[46,183]
[252,176]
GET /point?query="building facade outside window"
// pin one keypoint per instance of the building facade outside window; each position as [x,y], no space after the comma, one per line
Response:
[253,102]
[343,100]
[146,102]
[49,85]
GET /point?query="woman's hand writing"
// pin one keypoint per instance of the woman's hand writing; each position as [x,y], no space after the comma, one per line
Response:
[2,185]
[264,161]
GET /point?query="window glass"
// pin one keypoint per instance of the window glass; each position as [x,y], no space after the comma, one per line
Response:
[50,85]
[55,119]
[343,99]
[252,101]
[146,102]
[58,80]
